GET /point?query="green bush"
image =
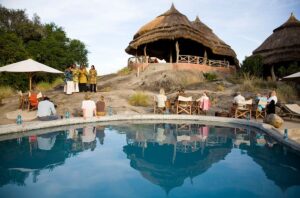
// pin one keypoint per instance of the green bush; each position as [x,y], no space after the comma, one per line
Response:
[210,76]
[139,99]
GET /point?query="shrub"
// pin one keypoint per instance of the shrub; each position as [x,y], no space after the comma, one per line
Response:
[210,76]
[139,99]
[56,82]
[124,71]
[253,65]
[5,91]
[43,86]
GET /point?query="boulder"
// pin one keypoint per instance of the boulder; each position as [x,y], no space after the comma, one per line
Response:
[274,120]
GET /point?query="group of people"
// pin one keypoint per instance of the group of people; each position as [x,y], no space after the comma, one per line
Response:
[77,79]
[46,109]
[270,101]
[162,100]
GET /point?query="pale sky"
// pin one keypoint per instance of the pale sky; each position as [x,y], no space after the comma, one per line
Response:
[107,27]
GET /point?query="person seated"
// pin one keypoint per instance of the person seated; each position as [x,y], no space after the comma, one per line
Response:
[161,98]
[46,110]
[259,98]
[204,102]
[271,103]
[88,107]
[100,107]
[239,99]
[33,101]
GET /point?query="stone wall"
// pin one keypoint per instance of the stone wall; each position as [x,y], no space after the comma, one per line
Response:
[183,66]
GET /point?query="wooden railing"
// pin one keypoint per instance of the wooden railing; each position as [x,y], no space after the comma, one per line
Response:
[183,59]
[202,60]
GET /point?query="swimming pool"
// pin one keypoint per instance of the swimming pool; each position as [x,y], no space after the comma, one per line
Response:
[148,160]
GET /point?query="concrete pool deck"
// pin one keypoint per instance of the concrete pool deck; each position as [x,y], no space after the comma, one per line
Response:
[28,127]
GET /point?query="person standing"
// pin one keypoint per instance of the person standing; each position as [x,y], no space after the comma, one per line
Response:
[93,79]
[75,73]
[69,86]
[82,78]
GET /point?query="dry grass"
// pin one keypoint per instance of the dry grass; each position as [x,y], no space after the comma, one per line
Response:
[286,93]
[46,86]
[106,89]
[139,99]
[220,87]
[5,91]
[124,71]
[43,86]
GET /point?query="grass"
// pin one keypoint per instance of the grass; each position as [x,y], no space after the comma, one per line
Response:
[210,76]
[124,71]
[286,93]
[139,99]
[46,86]
[220,87]
[5,91]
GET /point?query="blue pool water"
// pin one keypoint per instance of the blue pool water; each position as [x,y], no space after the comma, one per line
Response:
[148,160]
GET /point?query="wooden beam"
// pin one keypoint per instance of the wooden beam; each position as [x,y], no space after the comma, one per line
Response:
[177,51]
[273,73]
[145,54]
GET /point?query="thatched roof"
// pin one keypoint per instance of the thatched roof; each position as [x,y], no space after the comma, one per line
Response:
[171,26]
[283,45]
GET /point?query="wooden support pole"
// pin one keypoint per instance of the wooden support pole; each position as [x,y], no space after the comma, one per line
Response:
[171,58]
[273,73]
[177,51]
[145,54]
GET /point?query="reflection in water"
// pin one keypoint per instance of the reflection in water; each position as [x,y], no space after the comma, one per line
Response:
[165,154]
[22,156]
[171,153]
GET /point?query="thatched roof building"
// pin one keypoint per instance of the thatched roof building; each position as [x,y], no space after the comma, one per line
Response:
[171,34]
[283,46]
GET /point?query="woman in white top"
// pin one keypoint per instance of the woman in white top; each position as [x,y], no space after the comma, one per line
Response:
[88,107]
[161,99]
[272,97]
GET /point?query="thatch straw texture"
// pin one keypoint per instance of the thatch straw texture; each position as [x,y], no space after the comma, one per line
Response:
[173,26]
[283,45]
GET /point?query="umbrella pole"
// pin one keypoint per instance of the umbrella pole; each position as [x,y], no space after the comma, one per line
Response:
[30,80]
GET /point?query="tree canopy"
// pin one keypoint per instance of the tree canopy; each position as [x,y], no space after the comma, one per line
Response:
[22,38]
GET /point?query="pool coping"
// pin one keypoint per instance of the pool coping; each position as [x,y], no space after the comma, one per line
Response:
[11,129]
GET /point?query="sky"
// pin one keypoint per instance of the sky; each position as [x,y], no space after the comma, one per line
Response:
[107,27]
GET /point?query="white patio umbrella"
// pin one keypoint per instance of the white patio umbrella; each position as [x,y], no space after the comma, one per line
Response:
[29,66]
[295,75]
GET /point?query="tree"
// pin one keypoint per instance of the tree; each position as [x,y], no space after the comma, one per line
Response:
[253,65]
[22,38]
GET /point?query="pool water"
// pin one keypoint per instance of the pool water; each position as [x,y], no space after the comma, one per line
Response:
[148,160]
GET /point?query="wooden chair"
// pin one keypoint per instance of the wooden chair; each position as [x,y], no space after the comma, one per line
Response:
[243,109]
[184,105]
[260,112]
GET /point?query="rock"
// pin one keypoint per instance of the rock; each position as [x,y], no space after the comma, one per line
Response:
[274,120]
